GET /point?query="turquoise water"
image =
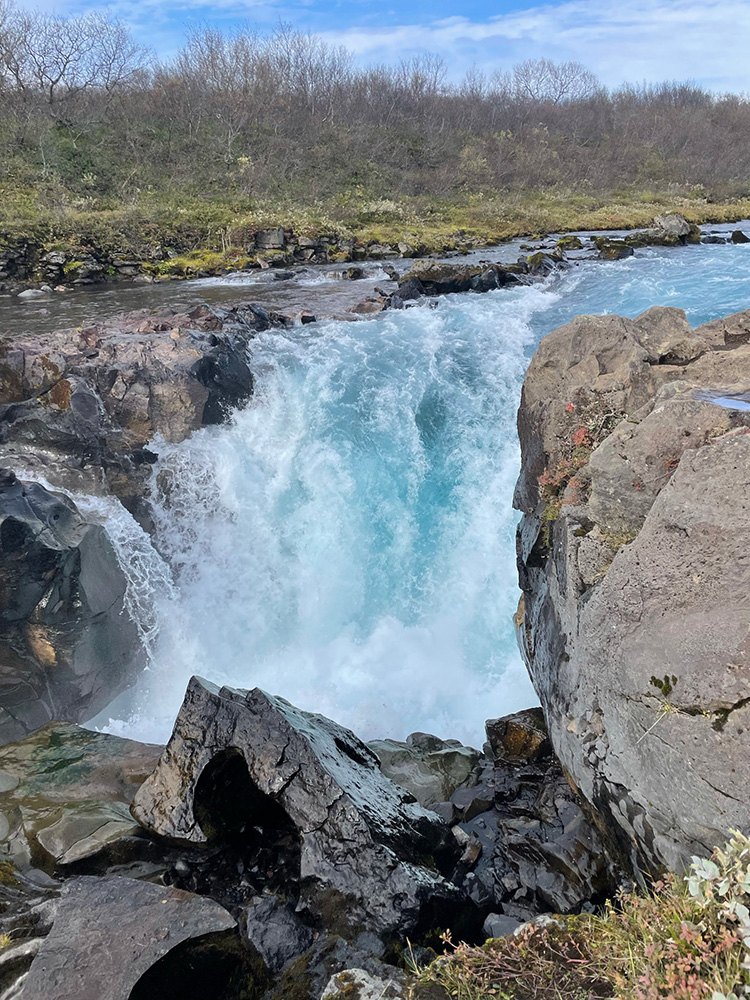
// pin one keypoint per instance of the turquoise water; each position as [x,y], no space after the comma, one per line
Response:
[348,541]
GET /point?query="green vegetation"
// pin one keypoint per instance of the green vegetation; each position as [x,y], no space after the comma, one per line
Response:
[685,939]
[567,481]
[108,153]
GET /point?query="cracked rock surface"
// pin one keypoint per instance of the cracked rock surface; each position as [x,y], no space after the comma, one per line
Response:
[635,569]
[363,840]
[81,406]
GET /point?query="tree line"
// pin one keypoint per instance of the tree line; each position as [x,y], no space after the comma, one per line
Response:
[87,114]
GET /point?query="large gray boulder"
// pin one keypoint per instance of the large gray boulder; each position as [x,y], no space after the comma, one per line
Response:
[430,768]
[67,643]
[366,847]
[634,618]
[110,932]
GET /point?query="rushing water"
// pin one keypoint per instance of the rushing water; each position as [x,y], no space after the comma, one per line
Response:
[348,540]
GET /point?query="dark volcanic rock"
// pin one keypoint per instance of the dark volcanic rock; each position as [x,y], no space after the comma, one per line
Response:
[634,617]
[739,237]
[276,931]
[67,645]
[364,844]
[538,851]
[110,932]
[65,795]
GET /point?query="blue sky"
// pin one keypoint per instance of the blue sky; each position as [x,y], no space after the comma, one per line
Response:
[707,41]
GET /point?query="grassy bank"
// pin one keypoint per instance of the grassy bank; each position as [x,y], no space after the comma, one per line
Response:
[686,939]
[190,236]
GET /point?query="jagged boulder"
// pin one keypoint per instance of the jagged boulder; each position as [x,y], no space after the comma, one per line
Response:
[67,644]
[365,846]
[634,618]
[432,277]
[535,850]
[669,229]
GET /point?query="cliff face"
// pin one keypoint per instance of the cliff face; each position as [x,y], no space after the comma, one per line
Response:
[634,561]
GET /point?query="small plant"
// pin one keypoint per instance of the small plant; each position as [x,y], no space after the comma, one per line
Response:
[565,482]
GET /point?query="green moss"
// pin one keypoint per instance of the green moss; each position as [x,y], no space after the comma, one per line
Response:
[665,685]
[8,875]
[570,242]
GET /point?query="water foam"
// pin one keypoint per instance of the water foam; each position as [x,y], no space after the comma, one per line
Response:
[347,541]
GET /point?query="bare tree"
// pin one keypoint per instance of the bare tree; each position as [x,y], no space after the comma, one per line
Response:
[545,81]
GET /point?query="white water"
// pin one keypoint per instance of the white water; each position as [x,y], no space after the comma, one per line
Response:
[348,541]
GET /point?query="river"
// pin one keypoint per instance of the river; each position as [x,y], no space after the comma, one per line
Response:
[347,541]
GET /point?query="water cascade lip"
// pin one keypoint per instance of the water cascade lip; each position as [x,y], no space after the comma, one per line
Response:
[347,541]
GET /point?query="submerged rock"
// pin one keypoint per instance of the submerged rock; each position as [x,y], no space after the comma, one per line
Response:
[67,643]
[634,617]
[364,843]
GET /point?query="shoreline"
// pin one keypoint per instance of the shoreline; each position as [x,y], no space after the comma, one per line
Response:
[59,261]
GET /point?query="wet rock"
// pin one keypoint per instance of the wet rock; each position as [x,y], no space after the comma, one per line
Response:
[363,841]
[516,739]
[65,793]
[372,304]
[673,224]
[440,278]
[714,239]
[110,932]
[669,229]
[739,237]
[430,768]
[80,406]
[613,249]
[633,618]
[570,242]
[275,931]
[541,264]
[28,905]
[538,851]
[67,644]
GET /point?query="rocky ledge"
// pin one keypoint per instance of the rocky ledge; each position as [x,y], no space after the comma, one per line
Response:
[268,852]
[632,551]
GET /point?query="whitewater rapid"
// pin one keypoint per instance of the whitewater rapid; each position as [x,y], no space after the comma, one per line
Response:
[347,541]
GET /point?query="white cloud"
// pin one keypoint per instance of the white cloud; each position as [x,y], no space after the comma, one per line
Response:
[620,40]
[706,40]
